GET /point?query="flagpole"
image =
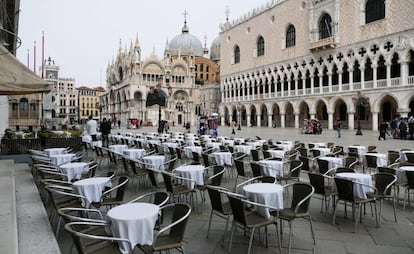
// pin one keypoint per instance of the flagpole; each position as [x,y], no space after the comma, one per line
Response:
[43,54]
[34,57]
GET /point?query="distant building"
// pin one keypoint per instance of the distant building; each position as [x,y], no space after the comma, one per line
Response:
[290,60]
[89,102]
[187,77]
[64,97]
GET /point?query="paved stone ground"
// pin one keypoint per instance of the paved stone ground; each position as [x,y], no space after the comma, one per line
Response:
[391,237]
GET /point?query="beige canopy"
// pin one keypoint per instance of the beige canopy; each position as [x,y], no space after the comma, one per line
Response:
[16,78]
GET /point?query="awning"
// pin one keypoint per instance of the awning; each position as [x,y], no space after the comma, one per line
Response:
[16,78]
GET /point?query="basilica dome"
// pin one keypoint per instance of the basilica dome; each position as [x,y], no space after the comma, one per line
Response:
[215,49]
[186,43]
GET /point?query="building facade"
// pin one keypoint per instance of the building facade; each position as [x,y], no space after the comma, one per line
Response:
[184,69]
[63,97]
[89,102]
[290,60]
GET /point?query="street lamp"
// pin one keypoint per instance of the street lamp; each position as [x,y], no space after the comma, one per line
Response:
[238,107]
[359,102]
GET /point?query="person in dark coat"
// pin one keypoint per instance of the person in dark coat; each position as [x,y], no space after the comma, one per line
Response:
[105,129]
[383,130]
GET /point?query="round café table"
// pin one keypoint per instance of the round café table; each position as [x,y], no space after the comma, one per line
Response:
[91,188]
[265,193]
[135,222]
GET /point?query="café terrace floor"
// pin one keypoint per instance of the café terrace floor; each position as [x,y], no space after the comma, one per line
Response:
[391,237]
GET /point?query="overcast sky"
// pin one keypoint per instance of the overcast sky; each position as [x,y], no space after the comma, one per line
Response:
[82,36]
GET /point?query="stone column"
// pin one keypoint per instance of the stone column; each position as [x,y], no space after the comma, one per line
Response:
[258,120]
[320,75]
[374,121]
[296,121]
[282,120]
[351,79]
[330,121]
[404,73]
[269,121]
[329,81]
[222,121]
[374,74]
[388,66]
[351,121]
[340,72]
[296,86]
[248,120]
[311,76]
[362,69]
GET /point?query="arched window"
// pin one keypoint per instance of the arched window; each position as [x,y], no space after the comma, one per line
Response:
[290,36]
[260,46]
[24,104]
[374,10]
[236,54]
[325,27]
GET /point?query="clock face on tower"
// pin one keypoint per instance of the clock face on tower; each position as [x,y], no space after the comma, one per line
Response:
[51,74]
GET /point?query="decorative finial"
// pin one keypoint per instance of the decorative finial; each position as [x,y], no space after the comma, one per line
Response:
[227,12]
[205,39]
[185,13]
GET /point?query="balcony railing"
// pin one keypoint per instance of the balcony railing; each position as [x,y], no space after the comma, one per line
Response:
[394,82]
[322,44]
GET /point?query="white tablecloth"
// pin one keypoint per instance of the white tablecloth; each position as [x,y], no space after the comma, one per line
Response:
[156,161]
[118,148]
[92,188]
[193,172]
[265,193]
[243,148]
[333,162]
[223,158]
[272,168]
[360,191]
[134,153]
[277,153]
[324,151]
[74,170]
[215,145]
[59,159]
[318,144]
[188,150]
[54,151]
[135,222]
[382,159]
[361,152]
[284,147]
[400,173]
[404,156]
[166,146]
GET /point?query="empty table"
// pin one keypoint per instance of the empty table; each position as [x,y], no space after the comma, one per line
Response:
[243,148]
[400,173]
[188,150]
[156,162]
[59,159]
[134,153]
[135,222]
[360,191]
[277,153]
[272,167]
[54,151]
[118,148]
[265,193]
[382,159]
[91,188]
[223,158]
[333,162]
[74,170]
[193,172]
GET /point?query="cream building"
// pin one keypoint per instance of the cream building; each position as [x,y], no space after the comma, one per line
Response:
[184,70]
[89,102]
[295,59]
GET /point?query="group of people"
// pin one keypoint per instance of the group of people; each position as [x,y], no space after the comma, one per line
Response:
[104,128]
[312,126]
[402,128]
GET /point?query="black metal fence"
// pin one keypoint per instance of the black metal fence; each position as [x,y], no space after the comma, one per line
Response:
[21,146]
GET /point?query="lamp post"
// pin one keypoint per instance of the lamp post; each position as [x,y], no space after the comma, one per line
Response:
[184,112]
[359,101]
[238,117]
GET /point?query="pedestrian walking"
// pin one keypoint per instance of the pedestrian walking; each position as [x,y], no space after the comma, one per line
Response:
[383,130]
[338,127]
[233,127]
